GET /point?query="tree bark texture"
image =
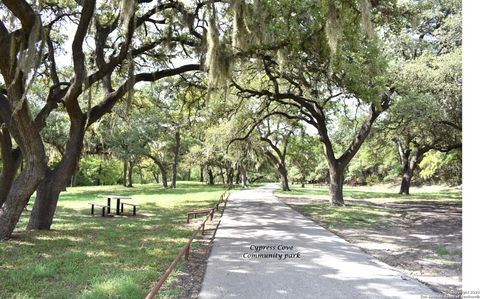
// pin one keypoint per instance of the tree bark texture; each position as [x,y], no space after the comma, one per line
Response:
[10,163]
[163,174]
[410,157]
[243,176]
[130,174]
[211,177]
[336,185]
[23,186]
[175,159]
[125,170]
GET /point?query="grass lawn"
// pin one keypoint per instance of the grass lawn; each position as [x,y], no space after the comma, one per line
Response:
[364,205]
[102,257]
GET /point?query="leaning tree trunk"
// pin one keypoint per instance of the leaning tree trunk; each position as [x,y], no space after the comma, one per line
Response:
[22,188]
[57,179]
[163,174]
[22,128]
[175,160]
[10,163]
[155,176]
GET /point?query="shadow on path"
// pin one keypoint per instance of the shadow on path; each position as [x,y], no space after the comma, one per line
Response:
[313,263]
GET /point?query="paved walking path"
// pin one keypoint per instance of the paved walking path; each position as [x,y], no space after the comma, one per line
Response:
[320,264]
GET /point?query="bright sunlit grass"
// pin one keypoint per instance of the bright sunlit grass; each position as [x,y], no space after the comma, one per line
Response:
[380,193]
[102,257]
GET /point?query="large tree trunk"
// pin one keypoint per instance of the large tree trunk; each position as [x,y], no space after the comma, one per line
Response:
[238,176]
[202,179]
[23,130]
[163,170]
[336,166]
[336,186]
[19,195]
[163,173]
[15,113]
[284,178]
[410,160]
[125,170]
[10,163]
[405,185]
[130,174]
[211,177]
[175,160]
[244,178]
[222,175]
[22,188]
[57,179]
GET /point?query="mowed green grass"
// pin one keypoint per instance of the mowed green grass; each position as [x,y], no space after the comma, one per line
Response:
[102,257]
[359,211]
[381,192]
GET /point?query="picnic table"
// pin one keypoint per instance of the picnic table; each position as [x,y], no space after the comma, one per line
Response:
[109,198]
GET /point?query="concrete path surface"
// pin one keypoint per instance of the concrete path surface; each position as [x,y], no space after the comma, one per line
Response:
[264,249]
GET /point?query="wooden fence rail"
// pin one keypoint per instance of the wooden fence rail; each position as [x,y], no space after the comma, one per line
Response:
[185,250]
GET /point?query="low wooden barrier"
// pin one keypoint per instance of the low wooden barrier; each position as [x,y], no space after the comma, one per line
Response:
[185,250]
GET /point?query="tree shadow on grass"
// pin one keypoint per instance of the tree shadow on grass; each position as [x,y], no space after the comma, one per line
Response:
[92,257]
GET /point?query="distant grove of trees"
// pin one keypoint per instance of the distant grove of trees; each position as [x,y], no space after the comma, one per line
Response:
[231,92]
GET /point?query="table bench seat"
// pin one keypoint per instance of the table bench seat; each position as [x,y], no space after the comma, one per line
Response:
[134,205]
[98,205]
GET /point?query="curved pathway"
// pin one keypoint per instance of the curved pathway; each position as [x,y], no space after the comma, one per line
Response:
[264,249]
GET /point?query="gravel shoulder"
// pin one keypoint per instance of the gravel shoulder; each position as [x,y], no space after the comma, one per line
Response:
[422,239]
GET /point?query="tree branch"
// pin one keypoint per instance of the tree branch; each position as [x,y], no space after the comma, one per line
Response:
[112,98]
